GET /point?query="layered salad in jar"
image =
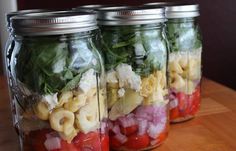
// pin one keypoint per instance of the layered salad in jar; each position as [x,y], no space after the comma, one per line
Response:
[136,88]
[184,69]
[60,91]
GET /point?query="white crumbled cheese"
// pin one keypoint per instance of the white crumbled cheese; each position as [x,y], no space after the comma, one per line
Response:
[88,81]
[128,78]
[51,100]
[111,77]
[135,82]
[139,49]
[59,66]
[124,73]
[121,92]
[94,62]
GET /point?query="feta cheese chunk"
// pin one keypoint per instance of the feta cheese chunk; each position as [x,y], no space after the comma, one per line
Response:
[111,77]
[88,81]
[59,66]
[50,100]
[121,92]
[127,77]
[135,82]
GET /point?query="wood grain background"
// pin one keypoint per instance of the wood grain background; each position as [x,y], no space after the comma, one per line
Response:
[218,25]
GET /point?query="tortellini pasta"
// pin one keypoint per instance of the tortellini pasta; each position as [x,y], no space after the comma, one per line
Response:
[183,70]
[194,69]
[76,103]
[69,136]
[175,67]
[64,97]
[42,111]
[62,120]
[177,81]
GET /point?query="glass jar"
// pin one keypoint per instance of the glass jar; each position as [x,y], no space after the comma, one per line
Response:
[58,83]
[184,61]
[10,44]
[135,53]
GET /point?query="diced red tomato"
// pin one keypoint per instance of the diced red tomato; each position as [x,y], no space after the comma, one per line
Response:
[114,143]
[137,142]
[129,130]
[196,101]
[38,138]
[188,104]
[174,113]
[65,146]
[90,141]
[181,97]
[105,143]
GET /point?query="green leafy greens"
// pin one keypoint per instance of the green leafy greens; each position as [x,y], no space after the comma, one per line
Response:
[142,47]
[183,35]
[47,65]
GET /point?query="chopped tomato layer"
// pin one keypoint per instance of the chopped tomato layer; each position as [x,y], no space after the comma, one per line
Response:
[187,104]
[92,141]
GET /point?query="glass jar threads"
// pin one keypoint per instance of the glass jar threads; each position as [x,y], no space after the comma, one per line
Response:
[58,82]
[135,52]
[184,61]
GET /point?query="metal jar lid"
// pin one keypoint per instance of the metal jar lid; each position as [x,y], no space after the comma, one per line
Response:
[22,12]
[115,16]
[53,23]
[182,11]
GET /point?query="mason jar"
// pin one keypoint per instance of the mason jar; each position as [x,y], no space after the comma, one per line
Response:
[10,44]
[58,82]
[135,52]
[184,61]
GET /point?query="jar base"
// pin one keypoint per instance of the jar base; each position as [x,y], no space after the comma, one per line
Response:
[145,149]
[182,119]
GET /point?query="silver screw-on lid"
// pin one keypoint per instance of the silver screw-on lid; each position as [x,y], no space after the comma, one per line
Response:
[182,11]
[116,16]
[54,23]
[22,12]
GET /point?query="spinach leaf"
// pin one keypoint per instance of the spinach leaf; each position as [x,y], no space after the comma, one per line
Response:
[72,83]
[141,47]
[42,70]
[183,35]
[50,65]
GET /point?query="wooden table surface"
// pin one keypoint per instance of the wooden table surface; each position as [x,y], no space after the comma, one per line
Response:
[214,128]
